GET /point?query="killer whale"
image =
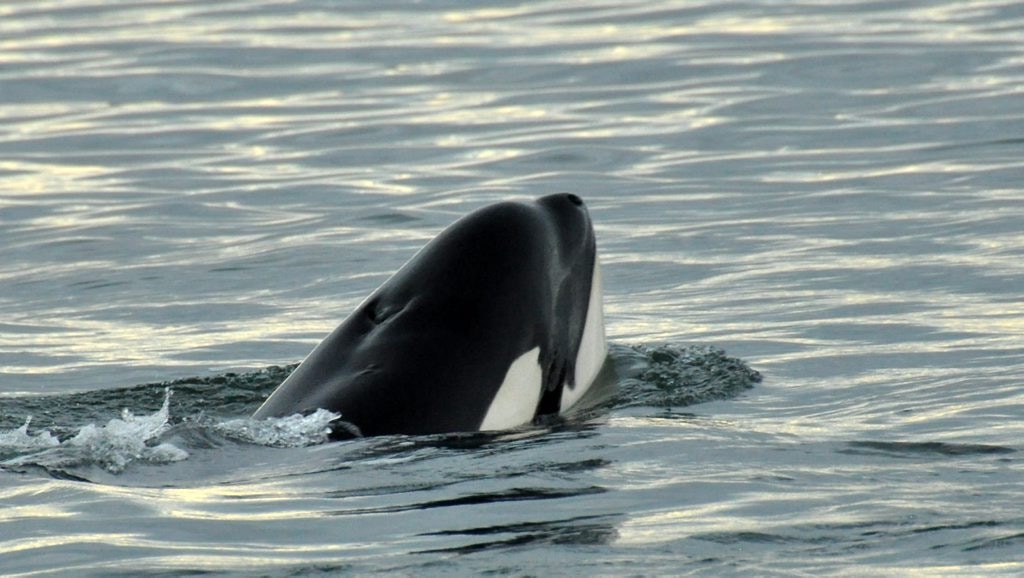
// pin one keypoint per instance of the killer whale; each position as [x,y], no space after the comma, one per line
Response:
[496,321]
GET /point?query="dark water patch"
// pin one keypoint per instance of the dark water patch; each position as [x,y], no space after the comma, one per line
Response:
[1012,540]
[41,471]
[923,449]
[581,530]
[96,284]
[861,536]
[169,573]
[572,467]
[428,447]
[481,498]
[961,526]
[390,219]
[316,570]
[732,538]
[512,495]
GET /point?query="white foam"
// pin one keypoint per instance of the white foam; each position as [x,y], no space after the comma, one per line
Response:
[112,446]
[519,394]
[593,346]
[282,432]
[19,440]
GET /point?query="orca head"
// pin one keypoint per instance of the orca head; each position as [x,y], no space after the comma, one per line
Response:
[494,321]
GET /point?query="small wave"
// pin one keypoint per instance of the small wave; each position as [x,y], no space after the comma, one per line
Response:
[19,440]
[112,446]
[918,449]
[285,432]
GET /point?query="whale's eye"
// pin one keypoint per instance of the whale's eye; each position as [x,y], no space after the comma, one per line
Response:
[377,312]
[374,312]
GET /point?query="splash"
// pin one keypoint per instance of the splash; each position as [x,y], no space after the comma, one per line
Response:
[113,446]
[674,376]
[19,440]
[284,432]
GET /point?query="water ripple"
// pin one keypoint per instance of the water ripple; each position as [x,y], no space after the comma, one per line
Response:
[830,191]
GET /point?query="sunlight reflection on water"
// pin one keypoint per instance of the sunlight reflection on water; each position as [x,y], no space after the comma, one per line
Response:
[831,192]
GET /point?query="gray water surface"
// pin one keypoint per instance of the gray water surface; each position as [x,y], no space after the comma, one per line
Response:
[829,191]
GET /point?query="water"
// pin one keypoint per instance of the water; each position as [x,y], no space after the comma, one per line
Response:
[191,192]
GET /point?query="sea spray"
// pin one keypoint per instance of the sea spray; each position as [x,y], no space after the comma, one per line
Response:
[112,446]
[17,441]
[290,431]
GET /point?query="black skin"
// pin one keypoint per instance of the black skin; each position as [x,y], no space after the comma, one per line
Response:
[427,351]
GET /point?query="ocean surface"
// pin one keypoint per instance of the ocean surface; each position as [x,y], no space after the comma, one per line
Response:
[810,217]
